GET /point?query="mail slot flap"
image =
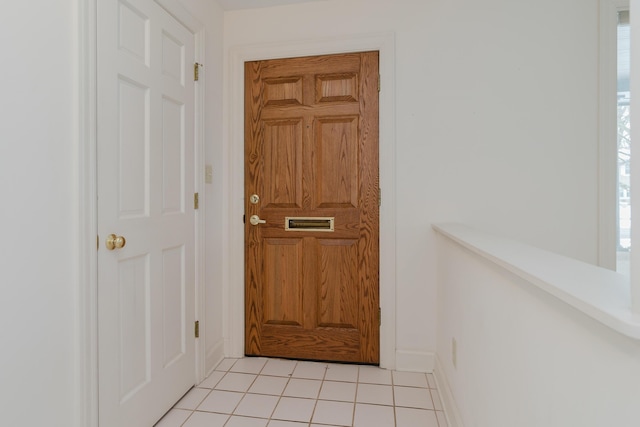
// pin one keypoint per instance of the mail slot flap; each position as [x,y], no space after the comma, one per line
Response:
[308,223]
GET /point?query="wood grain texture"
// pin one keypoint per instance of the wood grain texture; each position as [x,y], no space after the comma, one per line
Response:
[311,150]
[338,283]
[369,242]
[253,245]
[281,287]
[287,91]
[282,165]
[336,157]
[337,87]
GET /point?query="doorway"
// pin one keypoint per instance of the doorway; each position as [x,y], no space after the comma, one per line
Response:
[233,273]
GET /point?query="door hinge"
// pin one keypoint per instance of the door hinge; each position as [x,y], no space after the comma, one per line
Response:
[196,72]
[379,84]
[379,197]
[379,316]
[197,329]
[196,201]
[98,242]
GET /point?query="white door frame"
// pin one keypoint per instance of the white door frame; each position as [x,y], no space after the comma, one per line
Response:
[87,313]
[233,276]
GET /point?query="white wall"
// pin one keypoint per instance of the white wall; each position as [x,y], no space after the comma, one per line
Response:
[524,358]
[40,150]
[496,112]
[39,193]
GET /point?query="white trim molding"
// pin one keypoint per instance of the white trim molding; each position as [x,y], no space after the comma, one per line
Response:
[415,361]
[635,176]
[233,291]
[213,358]
[446,396]
[607,131]
[87,320]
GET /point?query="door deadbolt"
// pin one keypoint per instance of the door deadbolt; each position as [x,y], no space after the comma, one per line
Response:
[254,199]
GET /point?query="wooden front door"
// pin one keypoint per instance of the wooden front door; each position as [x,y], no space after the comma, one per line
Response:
[312,208]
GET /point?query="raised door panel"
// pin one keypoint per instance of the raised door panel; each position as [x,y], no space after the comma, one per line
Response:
[282,149]
[342,87]
[336,155]
[173,304]
[133,32]
[283,91]
[134,298]
[338,296]
[282,285]
[173,54]
[173,157]
[133,153]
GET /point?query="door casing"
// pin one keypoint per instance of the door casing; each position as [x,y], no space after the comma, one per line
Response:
[233,275]
[87,256]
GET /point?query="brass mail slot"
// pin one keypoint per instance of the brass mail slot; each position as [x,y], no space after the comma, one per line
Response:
[308,223]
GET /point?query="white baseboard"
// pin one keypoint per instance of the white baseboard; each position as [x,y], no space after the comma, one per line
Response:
[446,396]
[214,356]
[414,361]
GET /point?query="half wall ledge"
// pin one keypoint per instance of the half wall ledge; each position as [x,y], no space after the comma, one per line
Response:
[599,293]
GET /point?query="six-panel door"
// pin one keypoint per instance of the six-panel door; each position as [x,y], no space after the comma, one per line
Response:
[146,289]
[311,155]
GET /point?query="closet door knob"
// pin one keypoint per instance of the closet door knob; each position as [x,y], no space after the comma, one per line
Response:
[115,242]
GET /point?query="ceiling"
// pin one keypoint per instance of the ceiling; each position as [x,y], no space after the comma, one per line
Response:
[253,4]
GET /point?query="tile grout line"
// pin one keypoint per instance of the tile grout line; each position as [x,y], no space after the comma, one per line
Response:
[219,381]
[355,399]
[270,417]
[289,376]
[245,392]
[315,405]
[210,391]
[393,395]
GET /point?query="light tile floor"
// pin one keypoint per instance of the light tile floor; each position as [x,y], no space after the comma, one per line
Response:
[261,392]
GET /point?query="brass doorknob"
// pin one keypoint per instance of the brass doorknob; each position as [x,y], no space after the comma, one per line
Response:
[115,242]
